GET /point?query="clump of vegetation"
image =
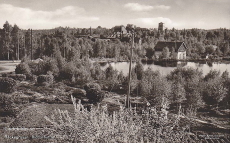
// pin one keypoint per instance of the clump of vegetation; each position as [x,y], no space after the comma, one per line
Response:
[124,125]
[93,92]
[20,77]
[7,85]
[23,68]
[43,67]
[7,105]
[45,79]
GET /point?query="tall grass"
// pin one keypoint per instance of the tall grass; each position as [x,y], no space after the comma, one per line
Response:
[125,125]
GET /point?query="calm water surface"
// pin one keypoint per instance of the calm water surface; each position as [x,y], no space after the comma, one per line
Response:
[165,68]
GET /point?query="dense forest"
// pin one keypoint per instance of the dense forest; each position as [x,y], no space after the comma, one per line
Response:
[16,43]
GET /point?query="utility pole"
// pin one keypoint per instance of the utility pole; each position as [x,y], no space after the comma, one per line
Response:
[18,47]
[130,67]
[31,44]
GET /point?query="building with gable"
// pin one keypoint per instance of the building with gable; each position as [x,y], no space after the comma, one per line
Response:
[178,48]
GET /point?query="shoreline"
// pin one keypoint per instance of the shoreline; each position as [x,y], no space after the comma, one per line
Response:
[108,60]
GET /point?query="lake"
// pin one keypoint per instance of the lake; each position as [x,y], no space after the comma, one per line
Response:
[166,67]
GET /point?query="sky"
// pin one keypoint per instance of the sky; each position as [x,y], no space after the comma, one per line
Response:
[180,14]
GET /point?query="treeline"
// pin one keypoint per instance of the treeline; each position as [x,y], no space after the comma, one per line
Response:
[16,43]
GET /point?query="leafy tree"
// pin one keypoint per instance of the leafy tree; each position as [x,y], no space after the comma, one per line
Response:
[15,40]
[200,48]
[165,53]
[73,54]
[184,73]
[225,75]
[194,99]
[226,49]
[7,39]
[218,51]
[149,52]
[103,49]
[209,49]
[27,49]
[214,91]
[178,93]
[155,88]
[145,85]
[121,77]
[212,75]
[97,73]
[110,73]
[97,48]
[139,69]
[160,93]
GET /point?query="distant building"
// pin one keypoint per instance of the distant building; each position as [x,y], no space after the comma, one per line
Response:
[161,31]
[161,27]
[179,47]
[120,31]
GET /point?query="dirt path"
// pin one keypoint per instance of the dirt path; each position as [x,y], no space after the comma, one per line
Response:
[8,66]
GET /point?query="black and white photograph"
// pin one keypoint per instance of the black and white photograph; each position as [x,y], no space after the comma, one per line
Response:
[114,71]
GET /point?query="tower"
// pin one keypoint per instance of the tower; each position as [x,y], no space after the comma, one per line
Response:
[161,31]
[161,27]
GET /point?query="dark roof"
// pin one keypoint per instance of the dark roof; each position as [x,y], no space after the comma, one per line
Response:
[176,45]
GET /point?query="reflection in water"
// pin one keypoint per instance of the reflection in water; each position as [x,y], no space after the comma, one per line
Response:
[209,64]
[166,67]
[170,64]
[103,64]
[200,62]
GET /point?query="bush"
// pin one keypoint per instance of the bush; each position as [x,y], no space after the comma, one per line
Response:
[212,75]
[79,93]
[97,125]
[20,77]
[214,91]
[48,64]
[92,85]
[7,85]
[45,79]
[186,73]
[23,68]
[94,93]
[68,71]
[7,106]
[139,70]
[82,76]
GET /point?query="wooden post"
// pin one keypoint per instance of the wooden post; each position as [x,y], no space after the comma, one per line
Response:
[130,68]
[25,54]
[31,44]
[18,47]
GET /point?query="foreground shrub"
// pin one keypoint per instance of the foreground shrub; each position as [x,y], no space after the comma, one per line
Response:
[7,85]
[7,105]
[43,67]
[20,77]
[214,91]
[124,125]
[23,68]
[94,93]
[187,74]
[68,71]
[45,79]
